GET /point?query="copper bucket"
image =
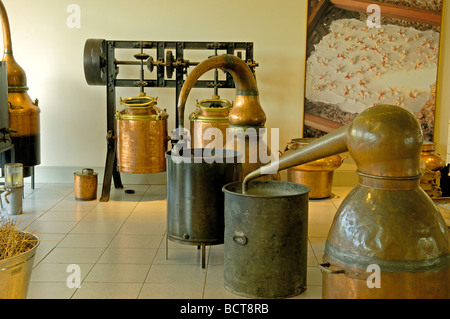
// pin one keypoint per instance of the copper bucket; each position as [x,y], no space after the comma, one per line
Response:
[85,184]
[141,136]
[317,175]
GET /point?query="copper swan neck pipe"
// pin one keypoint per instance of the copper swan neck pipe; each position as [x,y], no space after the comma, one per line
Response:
[247,110]
[7,44]
[334,143]
[385,142]
[17,78]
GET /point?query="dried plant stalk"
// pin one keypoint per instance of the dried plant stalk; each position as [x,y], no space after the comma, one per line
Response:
[13,242]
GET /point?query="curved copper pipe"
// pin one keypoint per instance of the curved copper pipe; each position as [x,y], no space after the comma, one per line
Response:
[7,45]
[385,141]
[247,110]
[17,78]
[331,144]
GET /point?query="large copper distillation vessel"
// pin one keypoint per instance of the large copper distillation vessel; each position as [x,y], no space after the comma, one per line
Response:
[23,112]
[387,220]
[246,116]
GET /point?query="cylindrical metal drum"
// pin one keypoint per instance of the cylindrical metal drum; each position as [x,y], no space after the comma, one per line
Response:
[195,202]
[266,236]
[210,114]
[12,200]
[141,136]
[85,183]
[15,272]
[317,175]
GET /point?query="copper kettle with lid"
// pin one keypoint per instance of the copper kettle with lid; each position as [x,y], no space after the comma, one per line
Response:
[210,113]
[141,136]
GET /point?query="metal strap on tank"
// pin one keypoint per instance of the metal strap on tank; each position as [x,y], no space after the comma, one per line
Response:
[389,182]
[361,262]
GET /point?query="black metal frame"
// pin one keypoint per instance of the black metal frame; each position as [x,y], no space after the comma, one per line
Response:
[179,68]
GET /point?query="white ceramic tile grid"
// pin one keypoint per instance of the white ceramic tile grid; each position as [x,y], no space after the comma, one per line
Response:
[120,246]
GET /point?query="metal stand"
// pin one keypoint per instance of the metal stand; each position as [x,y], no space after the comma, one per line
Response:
[201,246]
[102,68]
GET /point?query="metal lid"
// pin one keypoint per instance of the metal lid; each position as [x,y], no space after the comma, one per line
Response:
[212,110]
[86,172]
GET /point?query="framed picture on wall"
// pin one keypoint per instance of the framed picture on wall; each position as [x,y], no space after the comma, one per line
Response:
[364,53]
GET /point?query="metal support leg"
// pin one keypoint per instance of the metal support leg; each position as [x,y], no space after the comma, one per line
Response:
[167,247]
[203,255]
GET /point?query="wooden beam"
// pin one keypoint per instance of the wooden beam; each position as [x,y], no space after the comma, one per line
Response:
[321,124]
[316,14]
[392,11]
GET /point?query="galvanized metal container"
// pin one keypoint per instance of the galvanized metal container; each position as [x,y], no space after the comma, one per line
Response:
[15,272]
[11,200]
[195,202]
[266,235]
[85,184]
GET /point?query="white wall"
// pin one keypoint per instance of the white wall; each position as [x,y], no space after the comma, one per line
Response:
[73,117]
[73,114]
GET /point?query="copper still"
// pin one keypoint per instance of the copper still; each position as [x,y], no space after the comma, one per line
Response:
[23,112]
[246,116]
[317,175]
[141,136]
[210,113]
[431,163]
[387,220]
[85,184]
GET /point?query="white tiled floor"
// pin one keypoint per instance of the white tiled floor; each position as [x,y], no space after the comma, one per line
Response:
[120,246]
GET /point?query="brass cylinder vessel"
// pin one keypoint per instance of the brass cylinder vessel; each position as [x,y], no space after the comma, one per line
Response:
[431,163]
[387,220]
[24,114]
[246,117]
[317,175]
[85,184]
[210,113]
[141,136]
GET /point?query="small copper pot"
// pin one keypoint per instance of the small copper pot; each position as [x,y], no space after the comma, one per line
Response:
[85,184]
[317,175]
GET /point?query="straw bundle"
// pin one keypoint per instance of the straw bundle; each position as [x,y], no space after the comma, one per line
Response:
[12,241]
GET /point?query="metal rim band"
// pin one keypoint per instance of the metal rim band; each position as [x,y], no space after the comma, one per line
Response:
[389,182]
[393,266]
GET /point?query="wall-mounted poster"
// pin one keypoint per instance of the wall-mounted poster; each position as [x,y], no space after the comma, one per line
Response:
[364,53]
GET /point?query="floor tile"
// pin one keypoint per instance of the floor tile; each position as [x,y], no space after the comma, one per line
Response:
[57,272]
[86,240]
[164,274]
[49,290]
[114,255]
[74,255]
[129,273]
[108,290]
[120,246]
[172,291]
[137,240]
